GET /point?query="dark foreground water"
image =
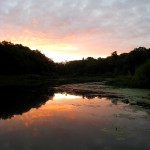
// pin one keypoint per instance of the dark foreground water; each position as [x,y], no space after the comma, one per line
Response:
[56,121]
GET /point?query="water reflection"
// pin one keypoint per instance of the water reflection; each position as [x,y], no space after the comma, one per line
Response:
[16,101]
[64,121]
[69,122]
[89,93]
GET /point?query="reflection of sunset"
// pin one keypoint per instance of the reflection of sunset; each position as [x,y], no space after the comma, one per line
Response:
[69,108]
[60,105]
[65,96]
[71,120]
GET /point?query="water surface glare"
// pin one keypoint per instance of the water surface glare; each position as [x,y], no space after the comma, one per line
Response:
[69,122]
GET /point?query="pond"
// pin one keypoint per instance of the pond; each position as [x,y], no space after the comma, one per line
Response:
[44,119]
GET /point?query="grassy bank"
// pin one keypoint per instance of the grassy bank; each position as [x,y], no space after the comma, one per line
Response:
[23,80]
[129,82]
[40,80]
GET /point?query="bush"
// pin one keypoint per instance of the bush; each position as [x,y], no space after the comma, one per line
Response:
[142,75]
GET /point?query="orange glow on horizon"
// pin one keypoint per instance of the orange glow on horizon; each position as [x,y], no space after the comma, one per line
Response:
[57,51]
[66,48]
[73,46]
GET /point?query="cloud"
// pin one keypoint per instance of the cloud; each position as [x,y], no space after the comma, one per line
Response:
[87,24]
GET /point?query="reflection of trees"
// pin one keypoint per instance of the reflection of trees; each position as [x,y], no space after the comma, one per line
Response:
[16,101]
[114,101]
[91,94]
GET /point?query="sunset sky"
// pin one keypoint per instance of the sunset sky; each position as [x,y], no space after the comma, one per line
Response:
[73,29]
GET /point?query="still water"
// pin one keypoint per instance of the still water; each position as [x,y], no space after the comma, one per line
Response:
[69,122]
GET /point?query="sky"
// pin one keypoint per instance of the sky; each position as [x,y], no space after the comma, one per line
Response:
[73,29]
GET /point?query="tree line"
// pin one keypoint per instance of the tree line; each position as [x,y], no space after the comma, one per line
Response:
[123,64]
[17,59]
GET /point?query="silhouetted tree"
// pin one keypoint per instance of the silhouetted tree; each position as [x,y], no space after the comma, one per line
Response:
[18,59]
